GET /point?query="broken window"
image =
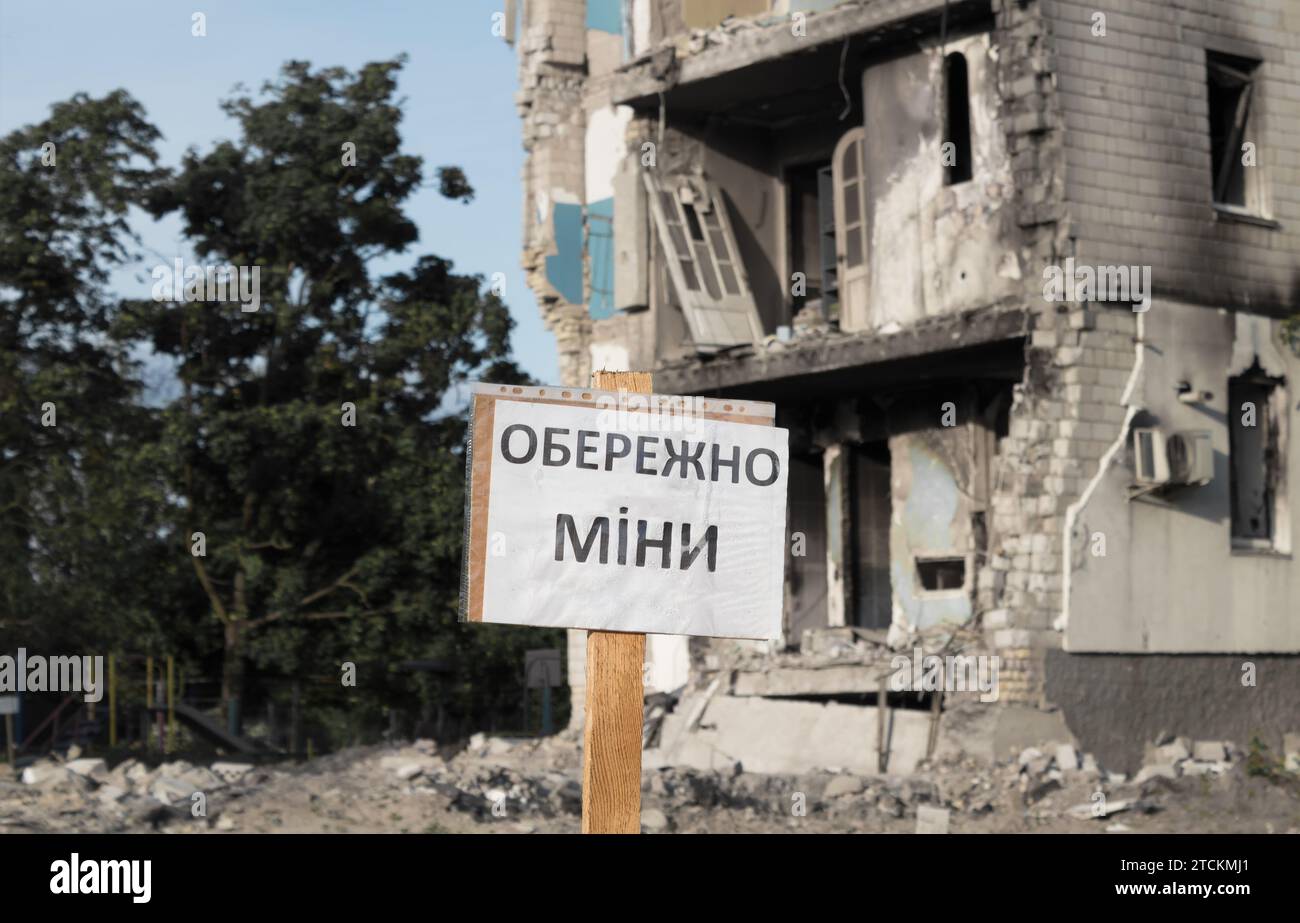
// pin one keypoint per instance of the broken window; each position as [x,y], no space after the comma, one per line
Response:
[869,485]
[704,262]
[1231,87]
[806,555]
[941,573]
[812,234]
[600,250]
[1255,456]
[957,159]
[826,239]
[849,182]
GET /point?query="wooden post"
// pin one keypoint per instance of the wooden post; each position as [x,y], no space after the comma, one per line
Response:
[882,719]
[91,678]
[112,702]
[171,703]
[148,700]
[611,755]
[295,718]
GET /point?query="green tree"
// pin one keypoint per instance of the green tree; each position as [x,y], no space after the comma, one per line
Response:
[309,442]
[79,550]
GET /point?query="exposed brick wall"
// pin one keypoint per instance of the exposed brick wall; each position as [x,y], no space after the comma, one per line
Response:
[1135,112]
[1018,587]
[1066,415]
[1111,154]
[564,74]
[552,84]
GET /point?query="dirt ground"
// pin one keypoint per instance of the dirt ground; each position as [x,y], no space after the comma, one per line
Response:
[532,786]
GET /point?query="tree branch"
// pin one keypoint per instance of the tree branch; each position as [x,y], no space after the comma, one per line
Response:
[282,614]
[310,598]
[218,607]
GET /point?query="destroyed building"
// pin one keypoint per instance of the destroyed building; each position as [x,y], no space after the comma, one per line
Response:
[1016,274]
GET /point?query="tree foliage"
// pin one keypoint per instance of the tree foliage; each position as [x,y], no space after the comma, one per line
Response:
[70,417]
[309,441]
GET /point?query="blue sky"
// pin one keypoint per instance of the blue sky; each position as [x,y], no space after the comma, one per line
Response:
[459,85]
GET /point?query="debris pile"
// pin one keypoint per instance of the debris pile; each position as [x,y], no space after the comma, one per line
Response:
[534,785]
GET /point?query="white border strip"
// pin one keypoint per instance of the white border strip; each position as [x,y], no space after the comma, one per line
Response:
[761,409]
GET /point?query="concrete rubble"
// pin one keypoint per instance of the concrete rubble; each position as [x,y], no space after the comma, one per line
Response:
[534,785]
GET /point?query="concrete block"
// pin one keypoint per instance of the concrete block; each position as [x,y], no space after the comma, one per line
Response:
[1034,762]
[1291,752]
[779,736]
[172,791]
[44,774]
[931,820]
[1156,770]
[843,785]
[1173,752]
[1067,758]
[109,794]
[91,768]
[1209,751]
[653,819]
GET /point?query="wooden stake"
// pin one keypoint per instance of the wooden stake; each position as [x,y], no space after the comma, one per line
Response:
[882,719]
[171,703]
[112,702]
[611,741]
[148,700]
[92,678]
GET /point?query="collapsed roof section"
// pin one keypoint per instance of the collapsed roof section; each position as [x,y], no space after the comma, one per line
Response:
[787,62]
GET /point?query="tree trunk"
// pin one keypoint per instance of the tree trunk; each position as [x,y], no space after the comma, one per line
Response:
[232,675]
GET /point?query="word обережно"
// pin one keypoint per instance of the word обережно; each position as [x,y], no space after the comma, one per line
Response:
[705,461]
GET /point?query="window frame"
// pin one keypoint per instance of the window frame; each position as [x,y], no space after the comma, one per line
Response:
[1221,70]
[1271,415]
[852,282]
[711,285]
[963,169]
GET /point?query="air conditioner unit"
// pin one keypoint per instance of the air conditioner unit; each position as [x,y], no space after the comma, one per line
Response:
[1183,457]
[1150,463]
[1191,457]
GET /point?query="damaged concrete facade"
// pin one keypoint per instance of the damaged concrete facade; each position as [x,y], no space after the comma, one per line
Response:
[855,210]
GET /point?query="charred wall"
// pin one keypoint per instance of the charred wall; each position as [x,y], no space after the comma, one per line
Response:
[1114,703]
